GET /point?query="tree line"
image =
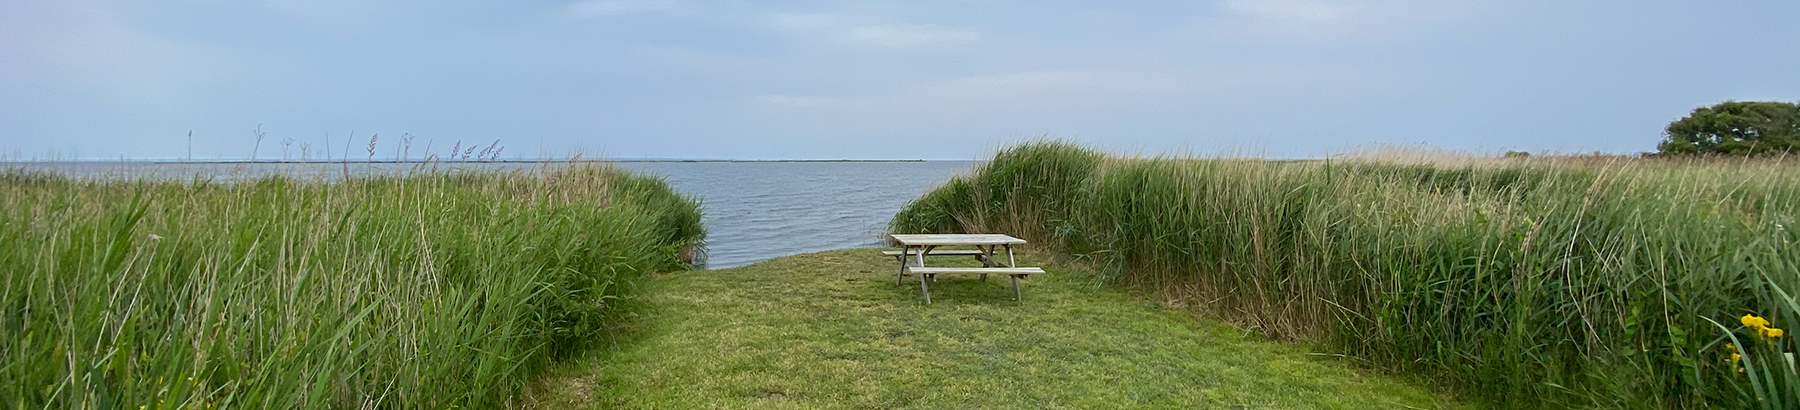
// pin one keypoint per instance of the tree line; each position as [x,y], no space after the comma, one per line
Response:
[1736,128]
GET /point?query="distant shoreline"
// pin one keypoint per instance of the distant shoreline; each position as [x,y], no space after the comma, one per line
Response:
[507,161]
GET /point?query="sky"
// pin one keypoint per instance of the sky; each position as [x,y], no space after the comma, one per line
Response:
[85,79]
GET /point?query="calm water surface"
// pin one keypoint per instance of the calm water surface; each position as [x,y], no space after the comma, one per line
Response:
[753,210]
[761,210]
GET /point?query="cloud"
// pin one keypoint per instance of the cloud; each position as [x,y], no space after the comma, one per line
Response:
[1038,90]
[344,16]
[84,42]
[1300,10]
[836,29]
[800,101]
[1322,21]
[912,35]
[1015,84]
[588,9]
[803,22]
[970,91]
[672,59]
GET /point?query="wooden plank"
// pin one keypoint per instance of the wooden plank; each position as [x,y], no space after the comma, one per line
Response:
[955,239]
[938,252]
[985,271]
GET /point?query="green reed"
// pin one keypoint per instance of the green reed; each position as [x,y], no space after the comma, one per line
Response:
[435,290]
[1594,282]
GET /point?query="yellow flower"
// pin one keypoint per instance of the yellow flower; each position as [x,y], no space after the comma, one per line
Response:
[1754,322]
[1770,332]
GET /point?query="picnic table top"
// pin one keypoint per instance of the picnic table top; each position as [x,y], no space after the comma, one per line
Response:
[955,239]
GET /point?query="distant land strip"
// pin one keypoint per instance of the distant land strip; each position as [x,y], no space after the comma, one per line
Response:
[502,161]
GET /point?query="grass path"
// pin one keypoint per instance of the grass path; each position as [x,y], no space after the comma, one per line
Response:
[831,330]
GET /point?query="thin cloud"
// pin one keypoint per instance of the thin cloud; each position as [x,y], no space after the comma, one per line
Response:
[1300,10]
[589,9]
[912,35]
[1054,89]
[1322,21]
[112,78]
[803,22]
[836,29]
[801,101]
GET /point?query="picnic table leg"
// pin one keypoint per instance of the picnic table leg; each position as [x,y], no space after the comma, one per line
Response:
[1010,262]
[921,257]
[987,257]
[986,261]
[925,288]
[901,276]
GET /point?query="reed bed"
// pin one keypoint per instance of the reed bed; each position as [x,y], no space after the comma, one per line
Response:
[434,290]
[1529,283]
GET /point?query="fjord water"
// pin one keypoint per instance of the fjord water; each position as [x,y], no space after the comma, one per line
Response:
[753,210]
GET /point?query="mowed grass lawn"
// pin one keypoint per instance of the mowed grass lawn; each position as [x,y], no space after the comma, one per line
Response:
[832,330]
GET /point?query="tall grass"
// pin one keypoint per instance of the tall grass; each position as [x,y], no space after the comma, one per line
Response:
[437,290]
[1531,283]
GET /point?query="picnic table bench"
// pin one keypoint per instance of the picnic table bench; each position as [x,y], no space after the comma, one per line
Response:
[917,246]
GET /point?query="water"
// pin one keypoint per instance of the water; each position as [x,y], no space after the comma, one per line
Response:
[753,210]
[761,210]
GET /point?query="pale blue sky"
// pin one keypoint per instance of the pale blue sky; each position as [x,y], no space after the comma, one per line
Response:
[912,79]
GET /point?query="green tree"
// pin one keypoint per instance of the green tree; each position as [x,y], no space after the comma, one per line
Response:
[1735,128]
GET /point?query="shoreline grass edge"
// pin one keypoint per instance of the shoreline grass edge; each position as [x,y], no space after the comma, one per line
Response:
[1527,283]
[432,290]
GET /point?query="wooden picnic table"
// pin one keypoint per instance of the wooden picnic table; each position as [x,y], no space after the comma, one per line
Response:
[918,246]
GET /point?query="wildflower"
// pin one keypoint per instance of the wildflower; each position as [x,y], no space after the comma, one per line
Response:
[1761,325]
[1752,321]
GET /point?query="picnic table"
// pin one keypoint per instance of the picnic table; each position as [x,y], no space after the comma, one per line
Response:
[917,246]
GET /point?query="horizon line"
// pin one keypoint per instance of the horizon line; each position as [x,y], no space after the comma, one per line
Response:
[492,161]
